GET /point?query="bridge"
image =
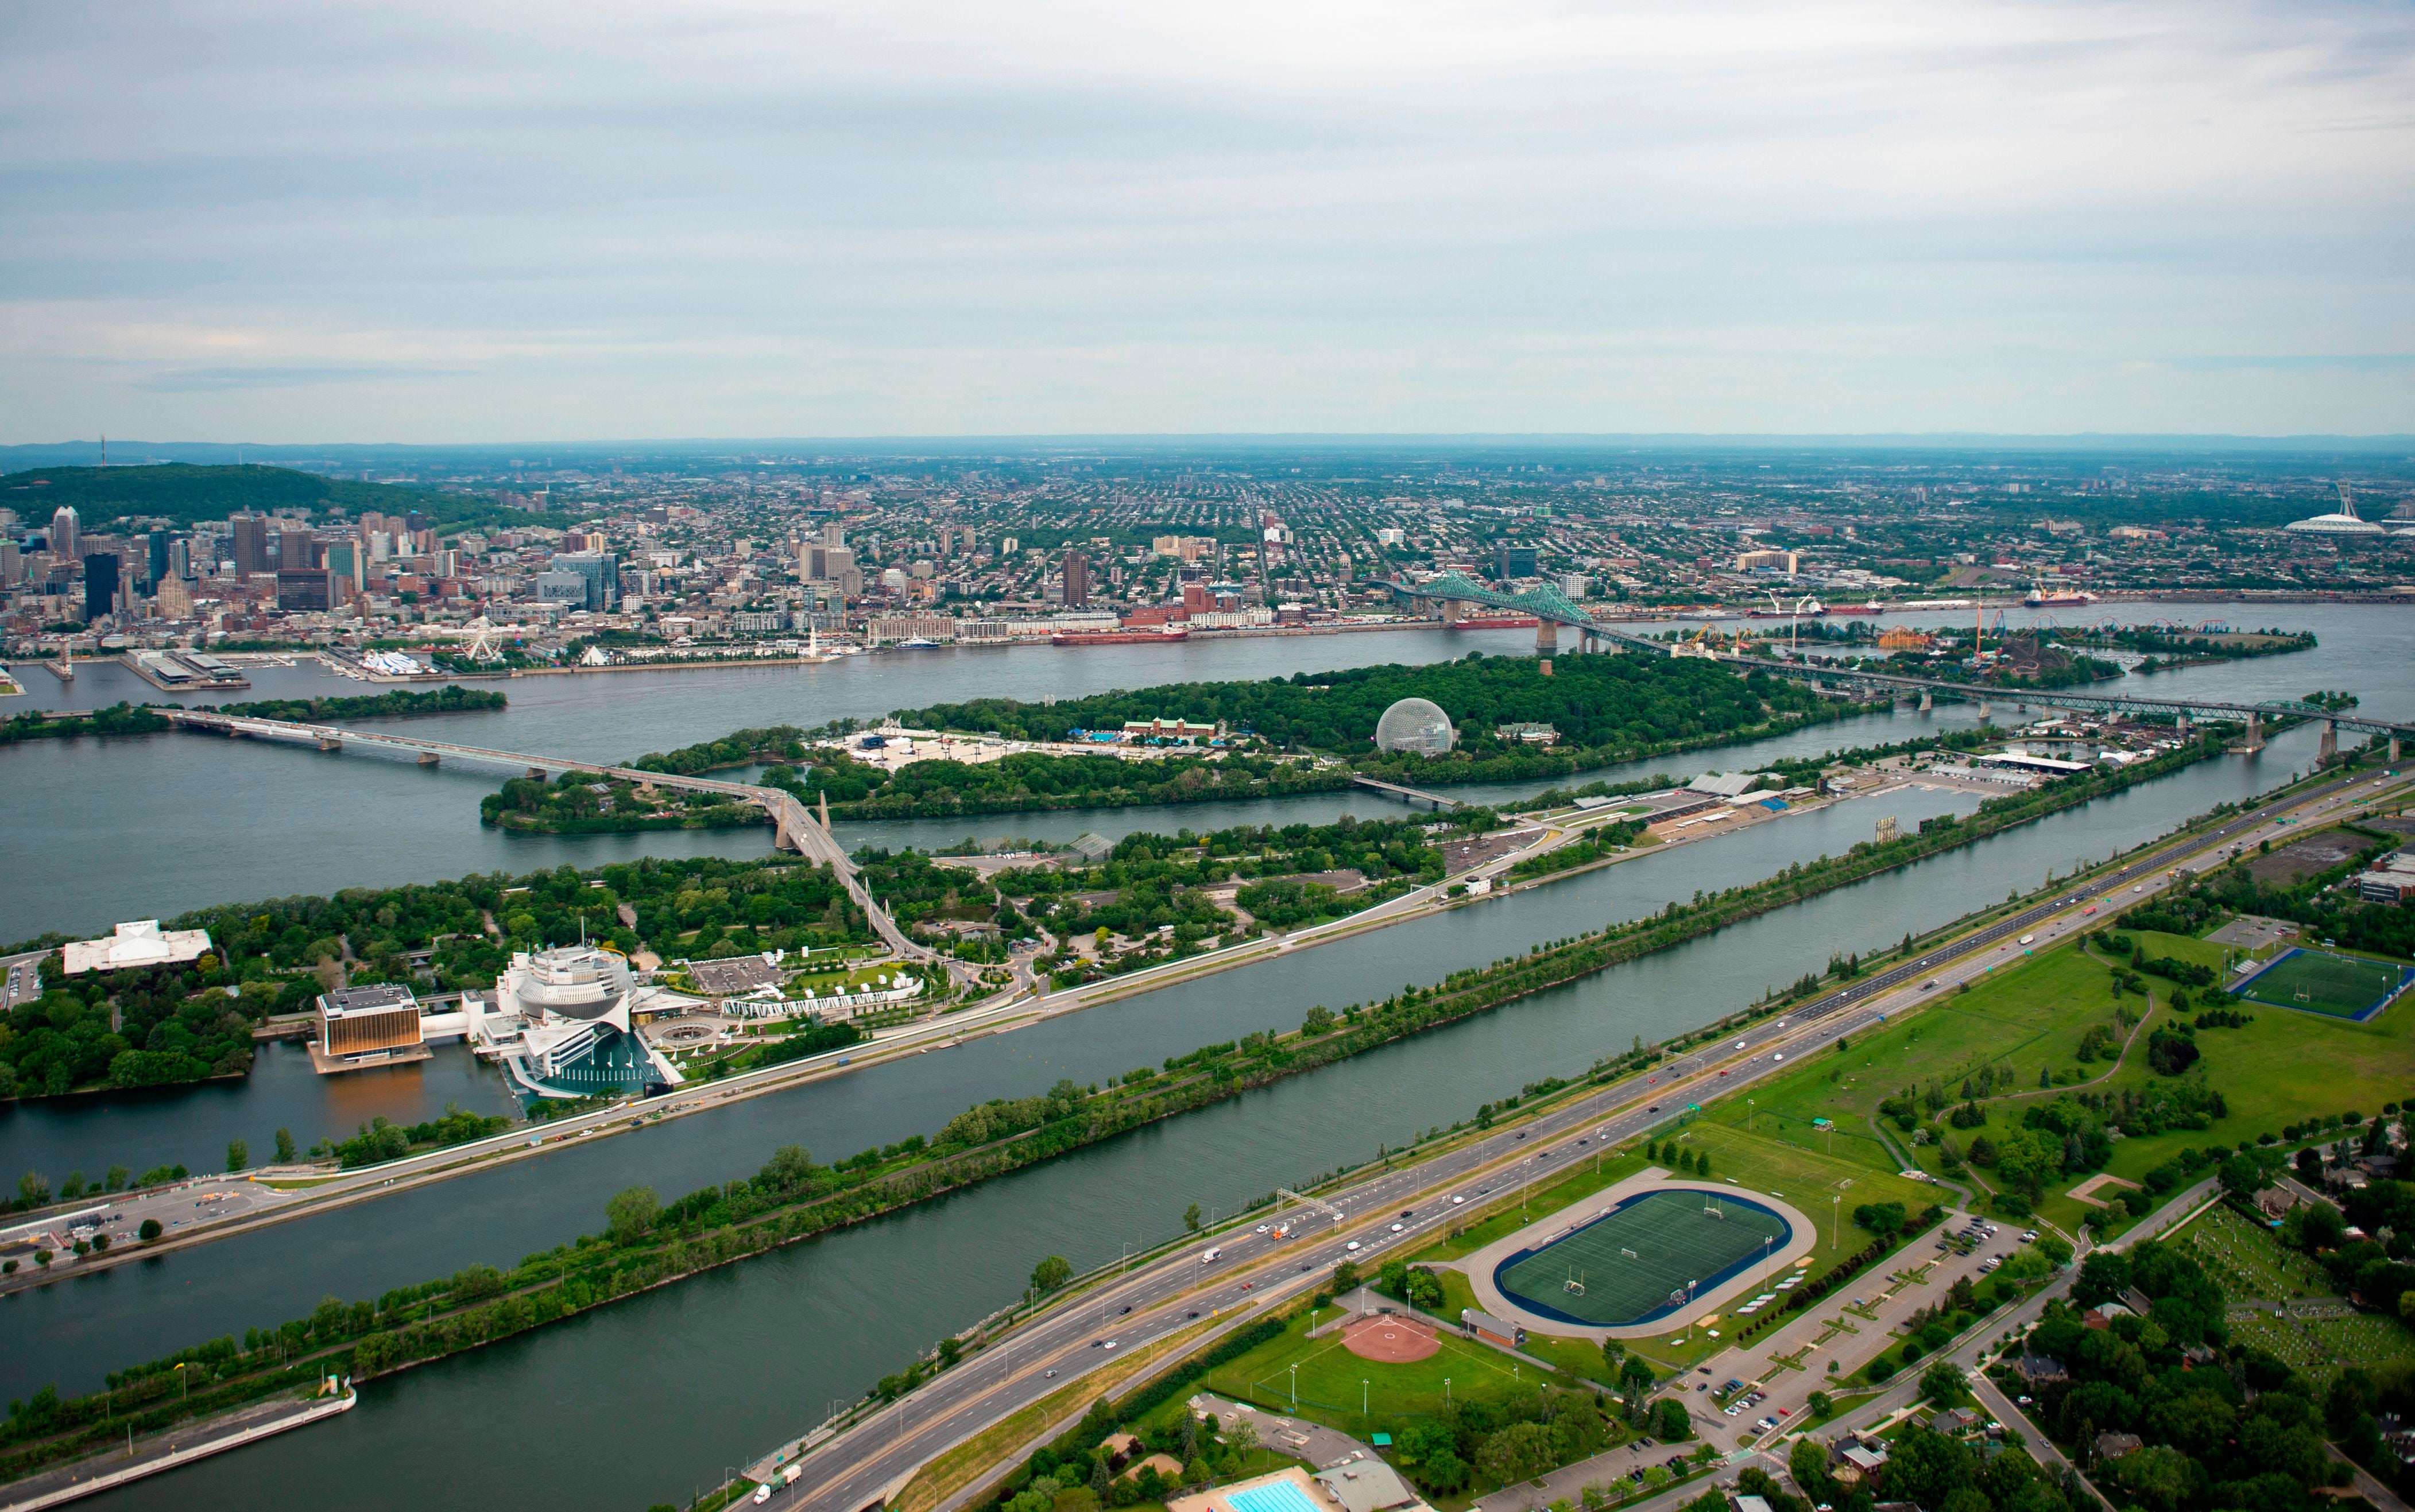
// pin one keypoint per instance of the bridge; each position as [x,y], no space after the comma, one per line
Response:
[1553,610]
[795,827]
[1407,795]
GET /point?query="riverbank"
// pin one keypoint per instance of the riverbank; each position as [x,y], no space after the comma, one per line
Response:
[723,1232]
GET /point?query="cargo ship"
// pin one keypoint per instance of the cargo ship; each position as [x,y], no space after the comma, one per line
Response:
[1120,638]
[1810,608]
[1873,606]
[1497,621]
[2041,597]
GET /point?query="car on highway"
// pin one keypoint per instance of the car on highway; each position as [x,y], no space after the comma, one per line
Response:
[1456,1200]
[1399,1228]
[1352,1246]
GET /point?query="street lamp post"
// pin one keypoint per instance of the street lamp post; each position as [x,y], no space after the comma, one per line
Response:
[1836,1219]
[1295,1387]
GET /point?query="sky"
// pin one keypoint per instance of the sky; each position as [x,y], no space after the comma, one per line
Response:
[433,222]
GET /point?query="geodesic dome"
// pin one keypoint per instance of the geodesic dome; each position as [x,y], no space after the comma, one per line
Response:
[1416,725]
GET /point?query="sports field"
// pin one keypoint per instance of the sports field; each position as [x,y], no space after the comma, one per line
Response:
[2317,982]
[1627,1264]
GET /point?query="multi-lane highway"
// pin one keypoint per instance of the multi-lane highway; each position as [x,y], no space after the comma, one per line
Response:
[1402,1208]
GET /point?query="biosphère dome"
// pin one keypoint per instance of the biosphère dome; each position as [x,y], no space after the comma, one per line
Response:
[1416,725]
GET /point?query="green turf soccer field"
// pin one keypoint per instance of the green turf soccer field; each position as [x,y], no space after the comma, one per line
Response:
[1630,1260]
[2317,982]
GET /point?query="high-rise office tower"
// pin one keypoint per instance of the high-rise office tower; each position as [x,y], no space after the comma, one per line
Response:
[100,585]
[64,533]
[251,534]
[296,550]
[1077,580]
[154,557]
[834,534]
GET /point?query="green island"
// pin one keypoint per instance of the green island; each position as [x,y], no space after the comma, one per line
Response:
[1603,709]
[647,1244]
[1309,733]
[184,1024]
[148,719]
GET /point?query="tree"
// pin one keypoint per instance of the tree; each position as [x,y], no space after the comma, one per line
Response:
[1319,1020]
[1345,1276]
[32,1189]
[1808,1463]
[631,1214]
[1635,1379]
[149,1231]
[285,1147]
[1190,1217]
[1520,1452]
[2243,1175]
[1943,1384]
[1051,1274]
[1611,1353]
[1670,1423]
[238,1155]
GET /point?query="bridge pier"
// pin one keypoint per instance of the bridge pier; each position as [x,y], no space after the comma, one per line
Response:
[536,774]
[1547,637]
[1983,711]
[1453,611]
[328,742]
[2254,734]
[2184,730]
[427,759]
[1927,700]
[2328,752]
[2393,748]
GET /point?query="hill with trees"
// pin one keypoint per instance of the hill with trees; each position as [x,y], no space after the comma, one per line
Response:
[185,495]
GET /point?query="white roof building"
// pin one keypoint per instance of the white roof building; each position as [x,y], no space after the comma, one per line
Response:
[141,943]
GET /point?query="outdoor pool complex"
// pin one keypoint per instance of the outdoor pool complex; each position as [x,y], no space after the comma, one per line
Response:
[1636,1262]
[2317,982]
[1275,1496]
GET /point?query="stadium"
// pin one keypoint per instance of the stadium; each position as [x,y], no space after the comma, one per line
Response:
[1641,1258]
[2319,982]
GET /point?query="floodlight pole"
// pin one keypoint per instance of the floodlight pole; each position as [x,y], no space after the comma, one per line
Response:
[1295,1387]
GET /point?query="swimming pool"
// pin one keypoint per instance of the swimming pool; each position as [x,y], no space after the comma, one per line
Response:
[1274,1496]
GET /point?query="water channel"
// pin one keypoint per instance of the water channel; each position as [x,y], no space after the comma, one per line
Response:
[718,1368]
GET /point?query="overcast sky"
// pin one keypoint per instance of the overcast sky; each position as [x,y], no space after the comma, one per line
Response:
[516,220]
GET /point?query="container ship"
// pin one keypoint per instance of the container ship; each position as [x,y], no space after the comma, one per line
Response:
[1120,638]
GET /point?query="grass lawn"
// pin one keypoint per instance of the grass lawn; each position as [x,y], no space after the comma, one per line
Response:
[2280,1069]
[1332,1382]
[2026,1018]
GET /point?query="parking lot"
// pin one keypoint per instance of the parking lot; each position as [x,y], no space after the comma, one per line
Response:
[1778,1374]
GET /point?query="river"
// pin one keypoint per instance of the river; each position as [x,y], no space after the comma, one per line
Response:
[162,823]
[720,1367]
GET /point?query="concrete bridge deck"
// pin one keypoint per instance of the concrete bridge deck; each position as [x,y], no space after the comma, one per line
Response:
[796,828]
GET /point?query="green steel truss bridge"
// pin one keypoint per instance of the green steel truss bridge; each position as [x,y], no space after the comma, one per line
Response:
[1553,610]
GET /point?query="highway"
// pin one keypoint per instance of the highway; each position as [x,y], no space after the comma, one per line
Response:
[1402,1209]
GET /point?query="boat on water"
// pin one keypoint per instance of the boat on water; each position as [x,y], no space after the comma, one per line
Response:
[2041,597]
[1498,622]
[1873,606]
[918,643]
[1810,608]
[1120,638]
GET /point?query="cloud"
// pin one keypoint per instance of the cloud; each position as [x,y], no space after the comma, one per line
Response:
[223,380]
[445,221]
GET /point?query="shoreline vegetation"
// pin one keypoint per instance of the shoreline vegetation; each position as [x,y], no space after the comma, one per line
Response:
[149,719]
[647,1244]
[1305,734]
